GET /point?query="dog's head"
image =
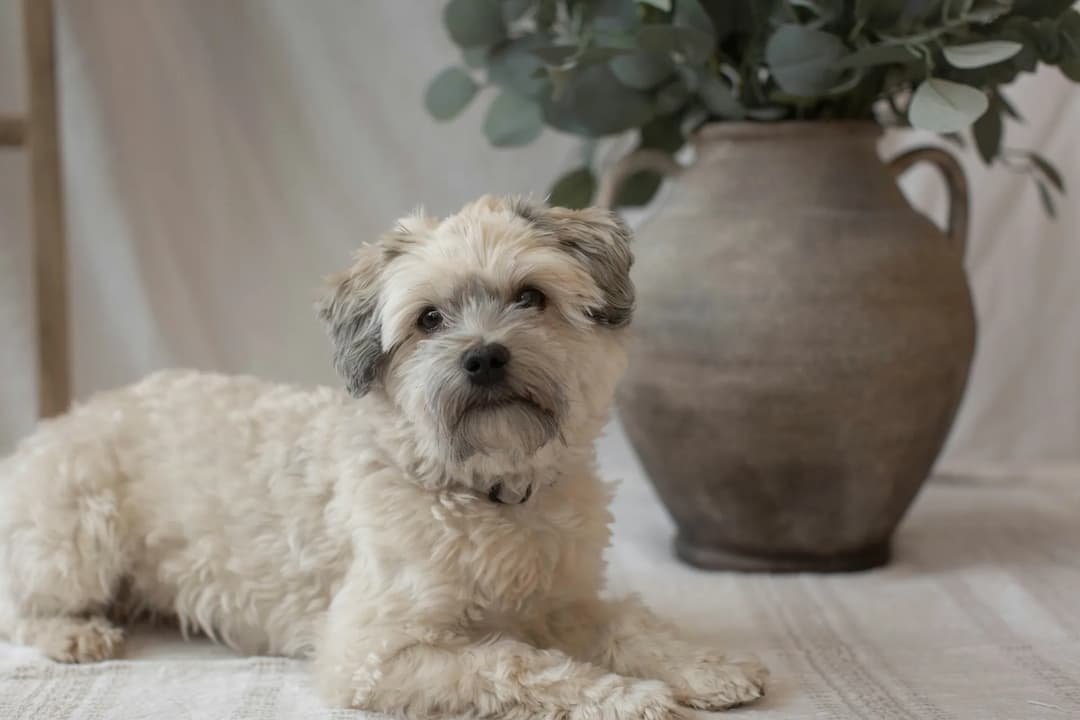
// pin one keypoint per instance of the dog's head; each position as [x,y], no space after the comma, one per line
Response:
[496,332]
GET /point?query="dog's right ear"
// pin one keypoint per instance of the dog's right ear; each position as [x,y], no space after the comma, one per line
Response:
[350,311]
[350,306]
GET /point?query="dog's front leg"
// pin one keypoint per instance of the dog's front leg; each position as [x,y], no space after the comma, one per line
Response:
[435,673]
[628,638]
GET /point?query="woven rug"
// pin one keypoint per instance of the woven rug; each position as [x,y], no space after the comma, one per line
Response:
[978,618]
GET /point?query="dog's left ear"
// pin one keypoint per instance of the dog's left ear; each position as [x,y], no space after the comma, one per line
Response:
[600,241]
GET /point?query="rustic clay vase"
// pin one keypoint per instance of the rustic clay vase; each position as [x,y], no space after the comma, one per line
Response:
[801,343]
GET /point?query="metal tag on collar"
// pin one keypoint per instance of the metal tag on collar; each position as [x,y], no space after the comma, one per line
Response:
[496,489]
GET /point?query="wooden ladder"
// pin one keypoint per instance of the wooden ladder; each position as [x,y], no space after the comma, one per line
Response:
[37,132]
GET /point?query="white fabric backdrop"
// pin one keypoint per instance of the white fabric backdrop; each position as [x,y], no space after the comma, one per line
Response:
[221,157]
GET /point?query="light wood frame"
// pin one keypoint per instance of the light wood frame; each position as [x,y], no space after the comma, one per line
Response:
[38,133]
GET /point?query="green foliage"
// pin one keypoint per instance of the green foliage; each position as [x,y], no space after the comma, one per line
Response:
[662,68]
[449,93]
[512,120]
[803,59]
[574,189]
[945,106]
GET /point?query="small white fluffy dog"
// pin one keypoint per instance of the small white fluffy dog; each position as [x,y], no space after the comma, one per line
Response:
[432,540]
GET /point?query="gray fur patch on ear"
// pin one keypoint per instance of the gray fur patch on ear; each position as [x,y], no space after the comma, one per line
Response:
[601,242]
[525,209]
[350,314]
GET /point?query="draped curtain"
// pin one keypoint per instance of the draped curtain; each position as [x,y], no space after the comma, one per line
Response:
[220,157]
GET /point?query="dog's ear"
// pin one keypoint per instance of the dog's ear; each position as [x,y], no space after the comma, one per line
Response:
[350,306]
[600,241]
[350,311]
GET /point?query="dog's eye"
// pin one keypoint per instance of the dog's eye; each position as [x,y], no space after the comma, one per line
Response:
[430,320]
[531,297]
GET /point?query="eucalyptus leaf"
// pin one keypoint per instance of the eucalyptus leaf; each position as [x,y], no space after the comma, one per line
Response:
[616,33]
[986,11]
[672,97]
[1050,172]
[879,13]
[555,54]
[691,15]
[601,11]
[680,43]
[1047,198]
[663,133]
[560,55]
[475,57]
[474,22]
[638,189]
[1006,107]
[919,9]
[603,105]
[547,13]
[873,55]
[987,131]
[1069,30]
[513,66]
[449,93]
[514,9]
[825,11]
[574,190]
[691,77]
[720,99]
[945,106]
[559,113]
[803,59]
[512,120]
[980,54]
[641,70]
[1042,8]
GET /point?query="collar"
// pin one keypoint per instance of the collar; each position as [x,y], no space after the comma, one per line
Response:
[496,489]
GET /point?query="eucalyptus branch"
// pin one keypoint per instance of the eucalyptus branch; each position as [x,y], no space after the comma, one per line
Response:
[804,60]
[930,34]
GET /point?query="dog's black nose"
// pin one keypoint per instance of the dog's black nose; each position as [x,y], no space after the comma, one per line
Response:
[486,364]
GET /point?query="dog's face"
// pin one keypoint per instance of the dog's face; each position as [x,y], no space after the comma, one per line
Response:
[496,331]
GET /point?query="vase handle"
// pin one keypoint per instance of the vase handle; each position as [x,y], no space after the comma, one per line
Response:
[646,159]
[957,227]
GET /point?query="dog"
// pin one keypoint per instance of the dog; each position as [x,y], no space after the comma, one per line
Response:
[432,538]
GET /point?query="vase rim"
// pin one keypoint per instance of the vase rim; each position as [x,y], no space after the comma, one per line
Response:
[854,129]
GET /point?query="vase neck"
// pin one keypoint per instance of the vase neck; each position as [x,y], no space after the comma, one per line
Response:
[829,166]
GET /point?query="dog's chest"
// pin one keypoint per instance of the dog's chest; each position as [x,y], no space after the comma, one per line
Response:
[509,559]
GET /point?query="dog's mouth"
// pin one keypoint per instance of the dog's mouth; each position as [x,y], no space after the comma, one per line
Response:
[510,418]
[496,402]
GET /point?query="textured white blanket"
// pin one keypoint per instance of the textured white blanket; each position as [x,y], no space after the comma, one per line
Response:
[978,618]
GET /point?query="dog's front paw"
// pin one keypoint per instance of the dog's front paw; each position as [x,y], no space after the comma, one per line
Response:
[631,700]
[74,640]
[712,683]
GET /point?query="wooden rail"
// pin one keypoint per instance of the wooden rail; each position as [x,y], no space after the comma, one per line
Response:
[38,133]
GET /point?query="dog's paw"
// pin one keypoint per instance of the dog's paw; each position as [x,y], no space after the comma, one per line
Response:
[71,640]
[632,700]
[712,683]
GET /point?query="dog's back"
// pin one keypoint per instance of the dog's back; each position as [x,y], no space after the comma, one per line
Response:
[201,492]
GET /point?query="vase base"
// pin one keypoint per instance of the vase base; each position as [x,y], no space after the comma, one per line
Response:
[712,557]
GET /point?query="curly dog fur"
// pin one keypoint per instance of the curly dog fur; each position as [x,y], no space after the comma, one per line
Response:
[432,539]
